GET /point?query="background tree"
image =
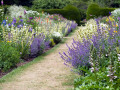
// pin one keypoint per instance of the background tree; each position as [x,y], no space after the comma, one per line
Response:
[50,4]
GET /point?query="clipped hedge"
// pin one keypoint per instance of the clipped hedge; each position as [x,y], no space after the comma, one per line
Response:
[70,12]
[95,11]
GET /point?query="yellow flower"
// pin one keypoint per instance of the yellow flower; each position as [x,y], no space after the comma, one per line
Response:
[110,18]
[115,31]
[116,25]
[109,29]
[9,41]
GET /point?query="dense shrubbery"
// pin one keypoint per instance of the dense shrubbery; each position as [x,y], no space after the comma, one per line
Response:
[70,12]
[9,56]
[94,11]
[107,3]
[49,4]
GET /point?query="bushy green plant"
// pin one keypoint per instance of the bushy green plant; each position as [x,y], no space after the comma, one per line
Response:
[69,12]
[9,56]
[94,11]
[106,3]
[49,4]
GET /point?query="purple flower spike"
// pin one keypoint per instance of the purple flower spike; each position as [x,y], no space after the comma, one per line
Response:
[110,13]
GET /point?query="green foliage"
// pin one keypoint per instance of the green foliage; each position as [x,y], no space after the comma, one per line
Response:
[52,43]
[50,4]
[96,81]
[3,12]
[82,5]
[95,11]
[1,33]
[107,3]
[70,12]
[9,56]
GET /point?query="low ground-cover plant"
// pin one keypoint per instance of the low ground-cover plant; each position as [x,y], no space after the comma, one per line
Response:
[97,58]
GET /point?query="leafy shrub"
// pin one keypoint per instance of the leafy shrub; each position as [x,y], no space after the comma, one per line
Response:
[49,4]
[82,5]
[9,56]
[70,12]
[95,11]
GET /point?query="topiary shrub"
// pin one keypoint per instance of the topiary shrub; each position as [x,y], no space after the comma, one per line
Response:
[92,11]
[95,11]
[9,56]
[73,13]
[70,12]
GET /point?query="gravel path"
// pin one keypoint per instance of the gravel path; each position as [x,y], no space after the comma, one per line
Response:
[48,74]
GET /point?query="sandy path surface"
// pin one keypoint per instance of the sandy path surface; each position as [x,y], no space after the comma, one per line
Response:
[48,74]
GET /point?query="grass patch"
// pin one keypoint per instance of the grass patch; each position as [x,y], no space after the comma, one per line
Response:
[70,80]
[10,76]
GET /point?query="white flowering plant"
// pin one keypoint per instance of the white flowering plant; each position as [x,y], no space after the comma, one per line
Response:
[116,12]
[16,11]
[89,29]
[57,37]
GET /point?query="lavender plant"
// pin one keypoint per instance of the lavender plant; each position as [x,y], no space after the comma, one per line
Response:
[38,45]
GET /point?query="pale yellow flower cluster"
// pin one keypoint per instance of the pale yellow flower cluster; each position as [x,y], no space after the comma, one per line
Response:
[89,29]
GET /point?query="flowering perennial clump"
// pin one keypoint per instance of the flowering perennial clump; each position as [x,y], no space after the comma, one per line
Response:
[32,33]
[96,57]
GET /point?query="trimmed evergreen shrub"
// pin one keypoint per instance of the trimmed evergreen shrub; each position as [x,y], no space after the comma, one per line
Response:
[70,12]
[95,11]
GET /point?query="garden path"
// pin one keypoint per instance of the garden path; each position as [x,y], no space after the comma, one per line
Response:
[47,74]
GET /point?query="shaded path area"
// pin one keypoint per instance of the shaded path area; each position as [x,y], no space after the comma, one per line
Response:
[47,74]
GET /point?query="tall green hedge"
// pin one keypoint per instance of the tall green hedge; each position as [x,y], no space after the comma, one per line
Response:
[95,11]
[70,12]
